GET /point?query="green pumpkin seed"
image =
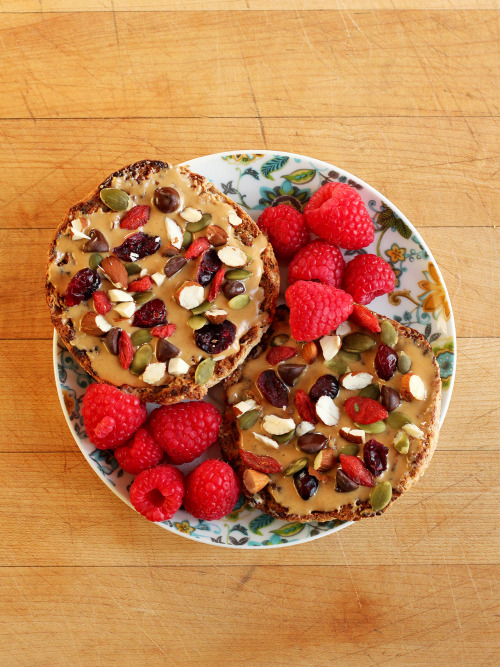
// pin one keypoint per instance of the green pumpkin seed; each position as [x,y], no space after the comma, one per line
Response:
[285,437]
[141,359]
[381,496]
[186,239]
[203,307]
[388,334]
[371,391]
[140,337]
[238,302]
[200,224]
[337,365]
[133,268]
[295,467]
[115,199]
[143,297]
[376,427]
[398,419]
[357,342]
[402,443]
[349,357]
[197,321]
[404,363]
[95,260]
[280,339]
[237,274]
[248,419]
[349,450]
[204,371]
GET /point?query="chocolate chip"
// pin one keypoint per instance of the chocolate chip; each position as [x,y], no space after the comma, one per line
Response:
[111,340]
[166,200]
[173,266]
[165,350]
[97,242]
[233,288]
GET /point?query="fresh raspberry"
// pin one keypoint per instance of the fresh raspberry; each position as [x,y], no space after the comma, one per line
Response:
[141,284]
[197,247]
[136,217]
[125,350]
[216,284]
[305,406]
[316,309]
[185,430]
[140,453]
[285,228]
[337,213]
[212,490]
[280,353]
[356,470]
[157,493]
[111,417]
[368,276]
[365,318]
[265,464]
[319,260]
[164,331]
[102,304]
[365,410]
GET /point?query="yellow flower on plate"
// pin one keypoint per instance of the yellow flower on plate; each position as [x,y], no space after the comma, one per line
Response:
[434,298]
[396,254]
[184,527]
[244,158]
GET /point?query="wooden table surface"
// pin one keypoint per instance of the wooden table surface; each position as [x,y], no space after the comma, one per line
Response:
[404,94]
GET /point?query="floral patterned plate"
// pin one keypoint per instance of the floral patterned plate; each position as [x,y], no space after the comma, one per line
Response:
[256,180]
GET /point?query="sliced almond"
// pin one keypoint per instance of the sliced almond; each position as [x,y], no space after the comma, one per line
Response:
[254,481]
[303,428]
[115,271]
[143,273]
[277,425]
[103,325]
[234,219]
[125,310]
[215,316]
[232,256]
[245,406]
[76,229]
[177,366]
[330,346]
[325,460]
[88,325]
[190,295]
[190,214]
[158,278]
[327,411]
[119,296]
[175,234]
[310,352]
[353,435]
[413,430]
[216,235]
[154,372]
[266,441]
[412,387]
[343,329]
[354,381]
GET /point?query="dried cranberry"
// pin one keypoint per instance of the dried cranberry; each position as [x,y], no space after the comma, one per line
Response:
[307,486]
[326,385]
[208,266]
[136,246]
[152,314]
[386,361]
[375,456]
[215,338]
[273,389]
[81,287]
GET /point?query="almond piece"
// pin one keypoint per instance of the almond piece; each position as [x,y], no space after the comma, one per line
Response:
[103,325]
[354,381]
[234,219]
[76,229]
[154,372]
[174,232]
[190,214]
[216,235]
[303,428]
[232,256]
[177,366]
[158,278]
[245,406]
[266,441]
[119,296]
[413,430]
[330,346]
[216,316]
[310,352]
[327,411]
[319,475]
[277,425]
[353,435]
[254,481]
[125,310]
[325,460]
[343,329]
[115,271]
[88,325]
[412,387]
[190,295]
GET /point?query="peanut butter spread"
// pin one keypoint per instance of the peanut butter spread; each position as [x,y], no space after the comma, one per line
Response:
[171,231]
[328,496]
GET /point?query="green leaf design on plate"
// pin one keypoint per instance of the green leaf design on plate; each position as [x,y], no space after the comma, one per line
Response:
[273,164]
[259,522]
[289,530]
[403,229]
[386,217]
[301,176]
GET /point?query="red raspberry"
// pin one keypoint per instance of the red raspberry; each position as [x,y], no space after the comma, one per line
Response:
[285,228]
[141,284]
[336,213]
[185,430]
[141,453]
[316,309]
[157,493]
[164,331]
[111,417]
[136,217]
[102,304]
[365,318]
[212,490]
[365,410]
[319,260]
[368,276]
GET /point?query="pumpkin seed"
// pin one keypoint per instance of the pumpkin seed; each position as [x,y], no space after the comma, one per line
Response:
[402,443]
[140,337]
[115,199]
[404,363]
[143,297]
[285,437]
[349,357]
[201,308]
[381,496]
[388,334]
[200,224]
[295,466]
[141,359]
[237,274]
[197,321]
[376,427]
[204,371]
[338,365]
[95,260]
[349,450]
[280,339]
[238,302]
[371,391]
[133,268]
[398,419]
[357,342]
[248,419]
[186,239]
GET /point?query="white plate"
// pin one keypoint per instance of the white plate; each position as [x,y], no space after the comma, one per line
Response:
[420,300]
